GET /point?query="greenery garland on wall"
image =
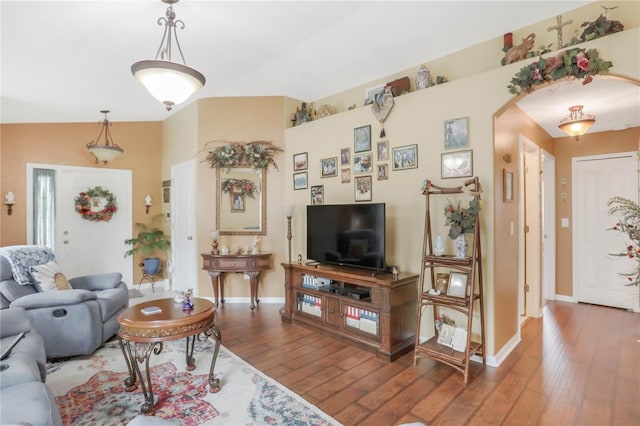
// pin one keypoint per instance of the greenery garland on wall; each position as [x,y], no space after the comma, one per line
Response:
[86,201]
[576,62]
[256,154]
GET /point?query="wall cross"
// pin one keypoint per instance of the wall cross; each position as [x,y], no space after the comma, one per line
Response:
[558,27]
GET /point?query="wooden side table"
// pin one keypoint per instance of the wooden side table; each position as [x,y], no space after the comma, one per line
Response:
[251,264]
[147,332]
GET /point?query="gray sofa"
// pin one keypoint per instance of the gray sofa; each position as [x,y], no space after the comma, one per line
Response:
[71,322]
[24,397]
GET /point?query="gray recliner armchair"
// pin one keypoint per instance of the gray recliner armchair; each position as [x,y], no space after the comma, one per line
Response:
[71,322]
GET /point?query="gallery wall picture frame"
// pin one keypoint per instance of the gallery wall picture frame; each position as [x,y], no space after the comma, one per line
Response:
[457,164]
[345,175]
[300,180]
[329,167]
[317,195]
[237,203]
[382,148]
[362,138]
[445,335]
[362,187]
[166,191]
[405,157]
[383,171]
[345,156]
[300,161]
[456,133]
[507,182]
[362,163]
[457,286]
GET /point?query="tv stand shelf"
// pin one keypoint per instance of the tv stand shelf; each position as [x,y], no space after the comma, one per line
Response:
[365,307]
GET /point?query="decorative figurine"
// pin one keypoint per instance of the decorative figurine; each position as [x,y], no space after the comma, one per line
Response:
[518,53]
[438,248]
[254,245]
[299,258]
[187,305]
[395,272]
[423,78]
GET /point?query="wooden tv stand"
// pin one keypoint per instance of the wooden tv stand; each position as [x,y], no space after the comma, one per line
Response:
[365,307]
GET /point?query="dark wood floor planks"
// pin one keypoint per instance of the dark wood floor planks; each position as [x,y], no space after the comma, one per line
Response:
[578,365]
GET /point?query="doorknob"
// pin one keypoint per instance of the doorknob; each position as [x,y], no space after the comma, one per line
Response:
[189,238]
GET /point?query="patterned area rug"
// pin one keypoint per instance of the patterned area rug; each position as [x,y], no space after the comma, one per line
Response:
[90,391]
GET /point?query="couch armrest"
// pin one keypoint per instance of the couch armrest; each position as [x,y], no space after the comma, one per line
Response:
[54,298]
[13,321]
[96,281]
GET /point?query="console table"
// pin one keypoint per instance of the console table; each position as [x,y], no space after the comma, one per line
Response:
[250,264]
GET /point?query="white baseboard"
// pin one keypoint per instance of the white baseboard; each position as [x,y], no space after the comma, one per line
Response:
[162,285]
[497,359]
[562,298]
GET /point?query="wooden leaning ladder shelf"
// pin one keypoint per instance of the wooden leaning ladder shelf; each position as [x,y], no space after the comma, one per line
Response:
[472,266]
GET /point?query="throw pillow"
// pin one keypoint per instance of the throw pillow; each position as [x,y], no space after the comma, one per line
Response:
[22,258]
[49,277]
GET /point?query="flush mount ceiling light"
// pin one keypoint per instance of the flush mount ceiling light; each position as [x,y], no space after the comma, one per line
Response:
[169,82]
[577,123]
[109,151]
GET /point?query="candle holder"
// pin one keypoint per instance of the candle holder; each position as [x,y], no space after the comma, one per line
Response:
[289,214]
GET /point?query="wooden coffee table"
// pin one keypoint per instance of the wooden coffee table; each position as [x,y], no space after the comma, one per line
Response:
[147,332]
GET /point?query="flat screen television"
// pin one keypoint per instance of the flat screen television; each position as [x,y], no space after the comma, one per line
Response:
[347,234]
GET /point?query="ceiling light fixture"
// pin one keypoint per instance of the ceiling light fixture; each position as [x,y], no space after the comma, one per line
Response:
[577,123]
[109,151]
[169,82]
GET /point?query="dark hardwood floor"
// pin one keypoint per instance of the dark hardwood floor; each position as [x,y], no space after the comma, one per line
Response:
[578,365]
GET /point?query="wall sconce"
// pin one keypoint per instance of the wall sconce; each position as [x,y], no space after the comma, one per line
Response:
[147,203]
[9,200]
[214,242]
[288,213]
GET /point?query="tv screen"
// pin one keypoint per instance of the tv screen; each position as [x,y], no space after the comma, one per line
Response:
[347,234]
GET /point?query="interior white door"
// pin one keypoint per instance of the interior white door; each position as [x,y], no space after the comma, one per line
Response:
[548,227]
[184,264]
[595,273]
[87,247]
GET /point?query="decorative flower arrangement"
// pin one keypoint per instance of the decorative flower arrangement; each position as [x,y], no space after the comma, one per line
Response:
[443,319]
[461,220]
[258,154]
[240,186]
[86,201]
[628,224]
[576,62]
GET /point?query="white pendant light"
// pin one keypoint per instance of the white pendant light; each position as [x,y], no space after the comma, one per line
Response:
[169,82]
[108,151]
[577,123]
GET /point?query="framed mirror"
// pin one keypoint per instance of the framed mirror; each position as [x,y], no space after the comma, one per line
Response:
[241,201]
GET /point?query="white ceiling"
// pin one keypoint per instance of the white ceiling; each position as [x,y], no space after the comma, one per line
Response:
[63,61]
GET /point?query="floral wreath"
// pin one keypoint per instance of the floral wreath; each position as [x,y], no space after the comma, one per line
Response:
[240,186]
[256,154]
[85,203]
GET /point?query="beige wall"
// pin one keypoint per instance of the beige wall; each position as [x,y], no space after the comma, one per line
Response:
[232,120]
[65,143]
[565,150]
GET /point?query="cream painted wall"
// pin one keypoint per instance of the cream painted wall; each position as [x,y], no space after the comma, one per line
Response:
[417,118]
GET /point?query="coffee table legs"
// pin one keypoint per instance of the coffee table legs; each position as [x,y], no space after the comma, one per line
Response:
[141,352]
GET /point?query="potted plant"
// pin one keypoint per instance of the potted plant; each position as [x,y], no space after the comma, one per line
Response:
[461,221]
[149,240]
[628,223]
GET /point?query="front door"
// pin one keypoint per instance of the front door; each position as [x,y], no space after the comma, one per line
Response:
[82,246]
[595,272]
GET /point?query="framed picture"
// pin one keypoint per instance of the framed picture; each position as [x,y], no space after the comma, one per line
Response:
[383,171]
[300,180]
[371,93]
[300,161]
[345,156]
[456,133]
[445,335]
[362,139]
[345,175]
[237,203]
[166,191]
[317,195]
[457,284]
[457,164]
[507,189]
[382,148]
[405,157]
[362,163]
[362,188]
[328,167]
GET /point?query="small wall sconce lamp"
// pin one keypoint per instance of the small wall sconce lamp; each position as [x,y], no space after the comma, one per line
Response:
[9,200]
[147,202]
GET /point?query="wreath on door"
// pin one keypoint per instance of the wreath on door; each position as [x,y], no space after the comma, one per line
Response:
[96,204]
